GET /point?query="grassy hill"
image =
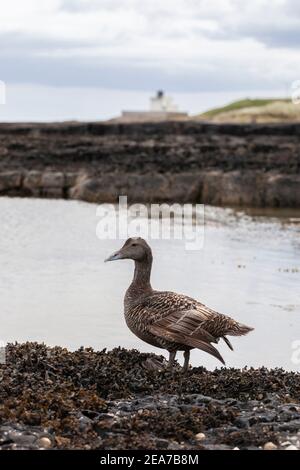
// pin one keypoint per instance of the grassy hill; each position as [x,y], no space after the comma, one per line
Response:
[254,110]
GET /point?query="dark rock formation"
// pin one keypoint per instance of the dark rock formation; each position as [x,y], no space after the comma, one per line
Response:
[239,165]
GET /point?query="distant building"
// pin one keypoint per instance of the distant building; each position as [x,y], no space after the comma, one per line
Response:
[163,103]
[162,108]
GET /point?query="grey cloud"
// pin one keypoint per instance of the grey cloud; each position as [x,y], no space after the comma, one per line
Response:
[278,36]
[125,75]
[26,58]
[30,44]
[276,26]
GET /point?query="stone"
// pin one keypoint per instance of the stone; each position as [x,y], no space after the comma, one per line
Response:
[239,189]
[270,446]
[53,193]
[291,447]
[10,180]
[282,190]
[162,443]
[71,179]
[185,187]
[107,188]
[62,441]
[200,436]
[45,442]
[53,180]
[211,193]
[32,180]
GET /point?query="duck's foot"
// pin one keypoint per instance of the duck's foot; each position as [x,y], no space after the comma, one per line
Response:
[172,355]
[186,356]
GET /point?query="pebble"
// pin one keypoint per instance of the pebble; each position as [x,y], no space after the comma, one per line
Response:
[44,442]
[291,447]
[200,436]
[270,446]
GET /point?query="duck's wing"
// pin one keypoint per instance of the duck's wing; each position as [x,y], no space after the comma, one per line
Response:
[186,327]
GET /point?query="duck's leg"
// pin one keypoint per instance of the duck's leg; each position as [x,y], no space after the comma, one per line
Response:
[186,355]
[172,355]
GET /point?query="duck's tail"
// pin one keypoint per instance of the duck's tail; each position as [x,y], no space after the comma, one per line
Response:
[238,329]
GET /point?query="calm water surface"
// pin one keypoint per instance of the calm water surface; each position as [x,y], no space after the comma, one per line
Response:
[54,286]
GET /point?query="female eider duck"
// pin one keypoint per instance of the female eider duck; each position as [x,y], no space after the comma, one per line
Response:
[168,320]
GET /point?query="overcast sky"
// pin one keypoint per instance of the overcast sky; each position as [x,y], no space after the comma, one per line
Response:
[88,59]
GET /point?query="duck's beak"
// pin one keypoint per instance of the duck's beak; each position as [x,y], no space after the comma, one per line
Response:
[114,256]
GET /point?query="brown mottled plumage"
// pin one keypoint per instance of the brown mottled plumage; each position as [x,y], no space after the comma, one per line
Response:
[168,320]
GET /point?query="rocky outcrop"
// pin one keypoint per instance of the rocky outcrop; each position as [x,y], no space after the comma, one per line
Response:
[146,188]
[34,183]
[236,165]
[236,188]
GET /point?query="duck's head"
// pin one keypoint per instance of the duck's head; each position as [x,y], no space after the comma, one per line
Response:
[134,248]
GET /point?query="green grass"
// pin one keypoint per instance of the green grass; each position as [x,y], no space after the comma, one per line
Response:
[236,105]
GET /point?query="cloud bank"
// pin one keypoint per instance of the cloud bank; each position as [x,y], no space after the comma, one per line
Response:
[181,45]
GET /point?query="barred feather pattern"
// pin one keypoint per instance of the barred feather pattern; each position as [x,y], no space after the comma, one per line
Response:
[177,322]
[166,319]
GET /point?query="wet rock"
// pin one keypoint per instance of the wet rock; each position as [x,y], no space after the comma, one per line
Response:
[242,422]
[21,436]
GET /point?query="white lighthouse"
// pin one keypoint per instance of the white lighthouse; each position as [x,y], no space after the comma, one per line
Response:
[162,108]
[162,103]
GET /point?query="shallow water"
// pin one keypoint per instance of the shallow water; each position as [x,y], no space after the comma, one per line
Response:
[54,286]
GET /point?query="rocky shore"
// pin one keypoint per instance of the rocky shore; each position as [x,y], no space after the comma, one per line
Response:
[55,399]
[220,164]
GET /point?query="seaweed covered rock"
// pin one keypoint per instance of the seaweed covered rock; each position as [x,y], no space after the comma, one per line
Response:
[54,398]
